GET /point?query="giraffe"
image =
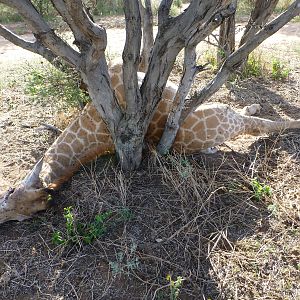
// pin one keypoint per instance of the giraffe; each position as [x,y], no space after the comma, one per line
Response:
[88,137]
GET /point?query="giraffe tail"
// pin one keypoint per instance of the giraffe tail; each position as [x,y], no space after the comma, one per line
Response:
[258,126]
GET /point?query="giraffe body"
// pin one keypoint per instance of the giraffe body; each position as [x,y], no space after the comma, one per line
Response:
[88,137]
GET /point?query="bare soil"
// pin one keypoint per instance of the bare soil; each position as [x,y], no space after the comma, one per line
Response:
[194,217]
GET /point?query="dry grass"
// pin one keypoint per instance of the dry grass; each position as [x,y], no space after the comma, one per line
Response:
[194,217]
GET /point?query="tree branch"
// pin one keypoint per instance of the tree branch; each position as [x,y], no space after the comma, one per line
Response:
[43,33]
[237,57]
[148,40]
[172,124]
[164,11]
[80,40]
[205,29]
[93,32]
[259,16]
[227,37]
[131,55]
[34,47]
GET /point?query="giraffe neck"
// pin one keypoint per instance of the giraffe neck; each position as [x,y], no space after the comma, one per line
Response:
[86,138]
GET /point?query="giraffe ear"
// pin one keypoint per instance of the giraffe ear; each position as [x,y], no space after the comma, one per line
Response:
[33,179]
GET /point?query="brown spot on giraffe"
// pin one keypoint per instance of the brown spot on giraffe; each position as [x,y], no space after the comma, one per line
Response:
[212,122]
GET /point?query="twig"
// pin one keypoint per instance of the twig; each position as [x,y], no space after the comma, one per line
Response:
[43,126]
[51,127]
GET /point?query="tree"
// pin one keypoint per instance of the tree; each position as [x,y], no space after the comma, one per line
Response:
[128,126]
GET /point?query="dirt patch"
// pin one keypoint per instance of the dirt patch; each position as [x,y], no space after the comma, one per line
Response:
[195,217]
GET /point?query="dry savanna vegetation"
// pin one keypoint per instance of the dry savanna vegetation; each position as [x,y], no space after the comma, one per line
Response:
[218,226]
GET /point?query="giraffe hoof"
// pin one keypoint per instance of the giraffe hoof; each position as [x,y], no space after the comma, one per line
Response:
[210,150]
[251,110]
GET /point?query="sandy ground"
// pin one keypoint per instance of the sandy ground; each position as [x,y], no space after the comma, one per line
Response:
[287,36]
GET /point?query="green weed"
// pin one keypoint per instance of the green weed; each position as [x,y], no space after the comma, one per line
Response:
[175,286]
[279,71]
[254,67]
[260,190]
[95,229]
[8,14]
[125,214]
[211,58]
[77,232]
[182,165]
[296,19]
[273,209]
[282,5]
[57,239]
[47,82]
[125,263]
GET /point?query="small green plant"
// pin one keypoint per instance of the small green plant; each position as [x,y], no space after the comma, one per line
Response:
[175,286]
[125,263]
[182,165]
[46,81]
[125,214]
[70,224]
[254,67]
[57,239]
[95,229]
[8,14]
[260,190]
[77,232]
[273,209]
[296,19]
[211,58]
[279,72]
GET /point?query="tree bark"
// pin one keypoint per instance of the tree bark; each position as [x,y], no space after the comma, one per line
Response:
[148,39]
[226,38]
[259,17]
[131,129]
[172,124]
[35,47]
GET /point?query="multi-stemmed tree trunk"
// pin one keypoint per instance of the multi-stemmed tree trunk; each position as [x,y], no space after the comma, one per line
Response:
[128,126]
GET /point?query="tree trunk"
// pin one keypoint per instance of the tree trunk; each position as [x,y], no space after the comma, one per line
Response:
[128,126]
[129,144]
[147,20]
[259,17]
[172,124]
[226,38]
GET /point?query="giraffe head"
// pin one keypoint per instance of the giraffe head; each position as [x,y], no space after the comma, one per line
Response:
[23,201]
